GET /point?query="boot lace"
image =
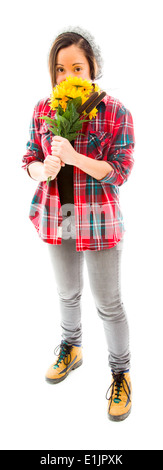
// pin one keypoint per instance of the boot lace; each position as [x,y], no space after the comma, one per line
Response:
[118,384]
[64,354]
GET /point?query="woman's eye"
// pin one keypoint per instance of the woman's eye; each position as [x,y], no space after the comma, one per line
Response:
[77,69]
[60,69]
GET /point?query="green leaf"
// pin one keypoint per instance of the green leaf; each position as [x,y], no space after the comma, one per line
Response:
[67,115]
[77,101]
[63,123]
[85,120]
[71,136]
[77,126]
[42,117]
[51,124]
[47,119]
[60,110]
[48,180]
[54,130]
[72,109]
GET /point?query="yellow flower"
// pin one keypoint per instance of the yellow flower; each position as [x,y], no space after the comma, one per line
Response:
[57,96]
[86,85]
[70,88]
[72,92]
[54,103]
[96,88]
[63,103]
[93,113]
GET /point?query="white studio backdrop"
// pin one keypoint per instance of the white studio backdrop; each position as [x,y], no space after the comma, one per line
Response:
[73,415]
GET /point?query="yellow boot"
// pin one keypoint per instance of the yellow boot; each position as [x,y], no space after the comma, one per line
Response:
[119,405]
[69,358]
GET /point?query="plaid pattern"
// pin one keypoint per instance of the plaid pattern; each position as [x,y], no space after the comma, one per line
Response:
[98,218]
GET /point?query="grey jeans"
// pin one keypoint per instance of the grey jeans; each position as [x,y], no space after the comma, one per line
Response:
[104,271]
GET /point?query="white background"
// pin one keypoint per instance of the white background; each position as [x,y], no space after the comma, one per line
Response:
[73,414]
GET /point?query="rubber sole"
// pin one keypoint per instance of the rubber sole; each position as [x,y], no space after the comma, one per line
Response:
[56,381]
[120,417]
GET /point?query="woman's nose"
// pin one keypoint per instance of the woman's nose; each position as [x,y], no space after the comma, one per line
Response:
[68,73]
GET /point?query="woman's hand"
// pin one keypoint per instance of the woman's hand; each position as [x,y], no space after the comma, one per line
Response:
[52,166]
[63,149]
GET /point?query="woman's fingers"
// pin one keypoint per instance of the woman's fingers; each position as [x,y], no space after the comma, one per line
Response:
[52,164]
[52,158]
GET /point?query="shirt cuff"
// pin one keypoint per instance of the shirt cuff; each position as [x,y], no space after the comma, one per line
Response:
[108,177]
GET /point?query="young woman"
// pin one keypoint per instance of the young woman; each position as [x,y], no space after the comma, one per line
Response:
[78,213]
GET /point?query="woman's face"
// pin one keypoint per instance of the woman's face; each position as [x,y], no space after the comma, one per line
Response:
[71,61]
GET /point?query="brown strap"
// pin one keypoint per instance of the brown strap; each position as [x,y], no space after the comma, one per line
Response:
[90,100]
[95,102]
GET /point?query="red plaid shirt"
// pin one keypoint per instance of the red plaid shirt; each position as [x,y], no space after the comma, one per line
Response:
[98,218]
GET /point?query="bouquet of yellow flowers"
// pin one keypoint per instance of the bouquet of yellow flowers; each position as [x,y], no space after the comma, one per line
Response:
[75,101]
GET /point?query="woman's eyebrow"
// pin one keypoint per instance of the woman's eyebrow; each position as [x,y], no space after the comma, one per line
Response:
[76,63]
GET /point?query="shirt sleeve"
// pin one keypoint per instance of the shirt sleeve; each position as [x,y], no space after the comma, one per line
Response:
[34,152]
[120,154]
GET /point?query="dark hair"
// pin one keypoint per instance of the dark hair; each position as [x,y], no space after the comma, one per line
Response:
[66,40]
